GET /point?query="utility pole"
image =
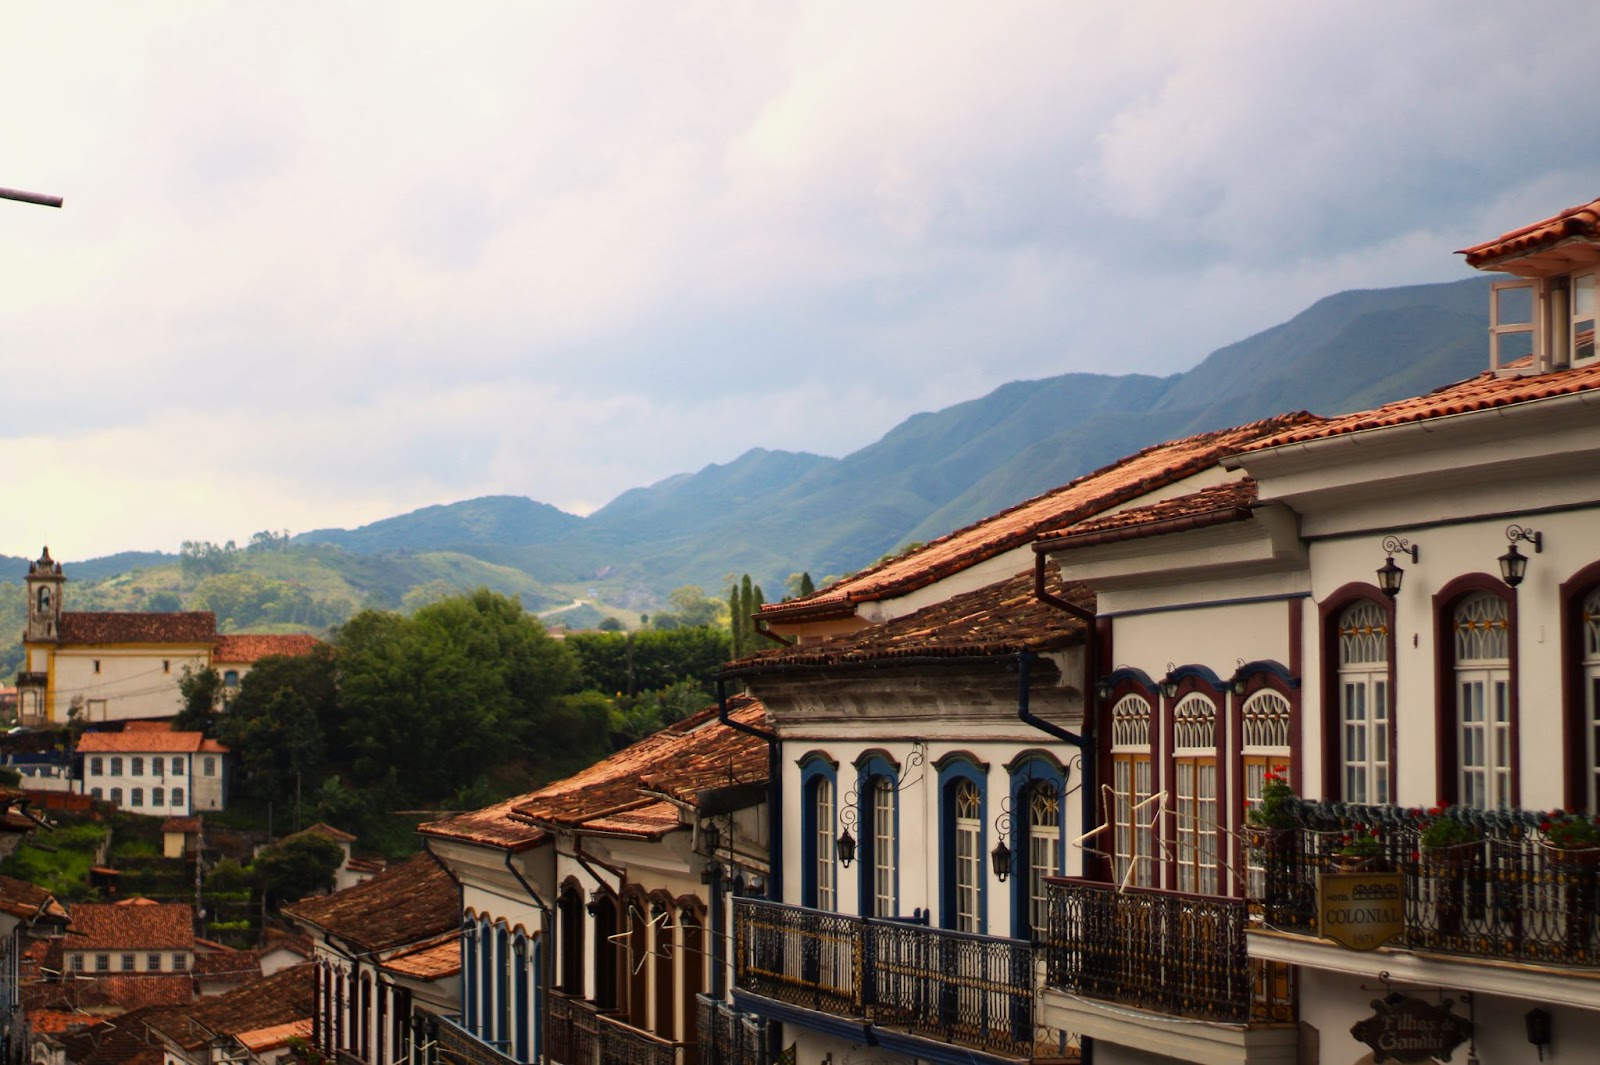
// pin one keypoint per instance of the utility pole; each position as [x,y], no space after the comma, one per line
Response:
[30,197]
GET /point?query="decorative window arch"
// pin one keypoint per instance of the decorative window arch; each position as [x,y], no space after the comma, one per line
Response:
[1476,638]
[1037,798]
[1358,675]
[1195,821]
[1580,656]
[878,860]
[1264,746]
[609,964]
[569,905]
[819,789]
[1133,783]
[963,797]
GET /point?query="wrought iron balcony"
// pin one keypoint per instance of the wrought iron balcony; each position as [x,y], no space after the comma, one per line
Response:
[458,1044]
[1508,895]
[1165,951]
[975,991]
[728,1037]
[579,1034]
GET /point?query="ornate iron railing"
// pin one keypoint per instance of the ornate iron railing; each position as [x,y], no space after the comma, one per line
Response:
[458,1046]
[579,1034]
[973,990]
[727,1036]
[1508,895]
[1166,951]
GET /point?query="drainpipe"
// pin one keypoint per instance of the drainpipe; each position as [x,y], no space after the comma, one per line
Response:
[541,1019]
[774,791]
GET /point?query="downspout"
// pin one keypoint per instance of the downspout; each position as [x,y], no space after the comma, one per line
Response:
[1084,742]
[774,791]
[541,1018]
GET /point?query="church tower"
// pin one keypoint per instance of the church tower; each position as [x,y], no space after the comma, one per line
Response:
[44,599]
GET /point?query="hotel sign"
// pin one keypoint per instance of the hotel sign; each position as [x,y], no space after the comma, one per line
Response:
[1361,911]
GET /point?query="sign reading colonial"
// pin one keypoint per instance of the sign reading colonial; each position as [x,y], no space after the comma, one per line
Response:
[1411,1030]
[1361,911]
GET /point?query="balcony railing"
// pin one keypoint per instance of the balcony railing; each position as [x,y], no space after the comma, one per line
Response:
[976,991]
[728,1037]
[1165,951]
[1509,896]
[579,1034]
[459,1046]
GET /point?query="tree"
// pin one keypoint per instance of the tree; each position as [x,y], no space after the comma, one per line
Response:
[628,663]
[610,625]
[202,696]
[283,721]
[297,866]
[744,600]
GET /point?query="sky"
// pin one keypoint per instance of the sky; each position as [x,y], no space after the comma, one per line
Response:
[323,263]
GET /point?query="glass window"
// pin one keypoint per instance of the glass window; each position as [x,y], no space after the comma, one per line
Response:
[158,797]
[177,796]
[177,767]
[136,797]
[97,766]
[822,846]
[969,856]
[884,903]
[1194,739]
[136,766]
[152,962]
[1044,848]
[116,796]
[231,678]
[1266,749]
[129,963]
[102,963]
[179,963]
[75,963]
[1512,324]
[210,765]
[95,793]
[1483,701]
[1364,703]
[116,766]
[1583,317]
[1134,810]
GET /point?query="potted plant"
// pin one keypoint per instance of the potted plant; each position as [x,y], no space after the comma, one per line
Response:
[1572,838]
[1449,840]
[1273,814]
[1359,851]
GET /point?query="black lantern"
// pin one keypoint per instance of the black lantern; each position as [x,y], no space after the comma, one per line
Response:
[1000,858]
[1514,564]
[711,873]
[1389,574]
[847,848]
[1103,688]
[1538,1022]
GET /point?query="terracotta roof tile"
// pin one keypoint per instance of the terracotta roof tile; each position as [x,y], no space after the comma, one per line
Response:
[54,1022]
[252,647]
[186,825]
[414,900]
[275,1035]
[198,626]
[118,926]
[326,831]
[431,961]
[492,826]
[1580,221]
[1483,392]
[1127,479]
[128,1041]
[29,902]
[142,742]
[139,991]
[1209,506]
[998,619]
[282,998]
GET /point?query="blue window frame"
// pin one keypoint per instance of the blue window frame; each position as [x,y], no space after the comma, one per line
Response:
[963,843]
[1038,788]
[521,964]
[878,854]
[469,972]
[819,788]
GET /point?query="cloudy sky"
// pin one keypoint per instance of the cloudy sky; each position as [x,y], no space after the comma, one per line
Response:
[321,263]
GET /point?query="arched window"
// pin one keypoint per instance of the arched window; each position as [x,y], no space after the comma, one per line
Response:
[878,801]
[1364,710]
[177,796]
[571,942]
[136,766]
[818,777]
[136,797]
[1038,837]
[44,599]
[116,796]
[158,797]
[116,766]
[1590,665]
[94,793]
[97,766]
[962,786]
[1194,766]
[1480,631]
[1264,742]
[177,767]
[1133,813]
[608,967]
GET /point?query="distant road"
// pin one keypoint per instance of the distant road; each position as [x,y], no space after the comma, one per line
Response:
[561,609]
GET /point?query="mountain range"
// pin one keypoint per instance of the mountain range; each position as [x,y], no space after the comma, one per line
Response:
[771,513]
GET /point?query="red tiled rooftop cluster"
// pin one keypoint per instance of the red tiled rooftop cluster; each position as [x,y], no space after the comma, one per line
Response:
[1209,506]
[414,900]
[134,925]
[245,648]
[148,741]
[199,626]
[282,998]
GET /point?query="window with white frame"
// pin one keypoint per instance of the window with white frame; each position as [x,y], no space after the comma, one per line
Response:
[1194,788]
[1513,321]
[821,810]
[1134,813]
[1364,713]
[97,766]
[1582,302]
[968,803]
[1265,749]
[884,902]
[1591,694]
[1481,630]
[1044,847]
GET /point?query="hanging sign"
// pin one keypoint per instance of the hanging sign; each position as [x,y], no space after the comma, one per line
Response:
[1361,911]
[1411,1030]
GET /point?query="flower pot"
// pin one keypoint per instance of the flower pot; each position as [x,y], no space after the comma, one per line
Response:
[1573,857]
[1357,863]
[1453,858]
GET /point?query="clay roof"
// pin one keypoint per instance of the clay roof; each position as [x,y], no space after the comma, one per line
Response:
[198,626]
[611,796]
[1483,392]
[622,794]
[282,998]
[119,926]
[412,901]
[1121,482]
[126,1042]
[1210,506]
[998,619]
[1580,221]
[275,1035]
[29,902]
[226,965]
[138,990]
[146,742]
[252,647]
[186,825]
[54,1022]
[431,961]
[327,831]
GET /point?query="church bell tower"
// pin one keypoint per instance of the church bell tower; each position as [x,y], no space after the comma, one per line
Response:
[44,599]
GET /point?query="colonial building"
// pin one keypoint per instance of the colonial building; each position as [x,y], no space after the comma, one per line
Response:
[28,914]
[149,769]
[594,911]
[115,666]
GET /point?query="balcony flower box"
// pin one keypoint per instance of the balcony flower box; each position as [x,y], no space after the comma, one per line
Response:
[1572,839]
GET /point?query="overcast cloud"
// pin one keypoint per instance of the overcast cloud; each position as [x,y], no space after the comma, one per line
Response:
[322,263]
